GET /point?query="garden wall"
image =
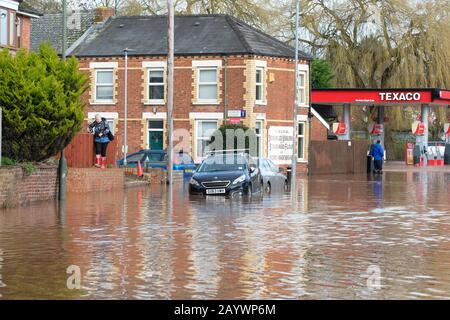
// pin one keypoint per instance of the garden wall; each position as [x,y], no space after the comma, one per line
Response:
[17,188]
[85,180]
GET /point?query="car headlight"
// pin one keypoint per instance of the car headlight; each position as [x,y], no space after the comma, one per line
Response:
[194,182]
[239,179]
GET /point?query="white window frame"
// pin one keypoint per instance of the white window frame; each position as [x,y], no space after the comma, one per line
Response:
[260,137]
[154,130]
[303,71]
[301,136]
[4,33]
[199,84]
[197,138]
[97,70]
[260,84]
[163,84]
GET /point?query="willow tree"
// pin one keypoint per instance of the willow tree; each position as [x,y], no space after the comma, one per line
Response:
[382,44]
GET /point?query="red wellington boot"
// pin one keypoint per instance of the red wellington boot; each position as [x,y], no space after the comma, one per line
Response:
[98,161]
[103,162]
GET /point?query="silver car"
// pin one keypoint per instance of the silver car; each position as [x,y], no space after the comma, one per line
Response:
[272,176]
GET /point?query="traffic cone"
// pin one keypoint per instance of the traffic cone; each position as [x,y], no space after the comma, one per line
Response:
[140,173]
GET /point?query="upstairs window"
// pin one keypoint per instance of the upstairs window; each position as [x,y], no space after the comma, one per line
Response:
[259,85]
[3,27]
[104,85]
[302,88]
[156,85]
[207,85]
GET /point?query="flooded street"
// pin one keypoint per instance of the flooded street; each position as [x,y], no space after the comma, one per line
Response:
[324,242]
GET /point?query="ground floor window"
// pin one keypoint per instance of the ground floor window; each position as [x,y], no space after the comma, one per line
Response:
[259,138]
[155,134]
[205,129]
[301,141]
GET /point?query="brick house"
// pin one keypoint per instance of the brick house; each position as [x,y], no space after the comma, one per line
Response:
[15,19]
[208,49]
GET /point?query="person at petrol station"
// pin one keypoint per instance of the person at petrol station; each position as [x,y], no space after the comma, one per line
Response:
[377,152]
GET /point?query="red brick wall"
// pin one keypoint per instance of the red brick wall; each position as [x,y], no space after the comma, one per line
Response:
[17,188]
[85,180]
[26,29]
[318,131]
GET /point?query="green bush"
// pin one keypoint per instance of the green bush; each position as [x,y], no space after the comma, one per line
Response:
[7,161]
[40,95]
[222,131]
[28,167]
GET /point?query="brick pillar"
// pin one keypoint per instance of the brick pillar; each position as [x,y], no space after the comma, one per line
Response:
[250,93]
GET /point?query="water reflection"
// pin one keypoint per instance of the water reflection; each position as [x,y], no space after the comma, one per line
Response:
[158,243]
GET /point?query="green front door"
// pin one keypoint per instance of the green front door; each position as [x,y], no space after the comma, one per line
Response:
[156,140]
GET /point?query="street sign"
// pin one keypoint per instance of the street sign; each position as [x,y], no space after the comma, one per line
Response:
[280,145]
[237,113]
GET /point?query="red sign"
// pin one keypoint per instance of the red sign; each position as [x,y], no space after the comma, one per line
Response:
[339,128]
[444,94]
[234,120]
[369,96]
[418,128]
[377,129]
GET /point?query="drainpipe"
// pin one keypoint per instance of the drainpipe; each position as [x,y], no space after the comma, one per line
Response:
[225,91]
[62,169]
[310,115]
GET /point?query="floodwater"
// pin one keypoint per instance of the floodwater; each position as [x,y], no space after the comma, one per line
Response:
[339,237]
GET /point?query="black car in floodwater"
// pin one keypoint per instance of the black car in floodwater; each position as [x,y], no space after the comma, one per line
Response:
[226,175]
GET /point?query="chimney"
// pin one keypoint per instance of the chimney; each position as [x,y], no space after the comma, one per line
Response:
[103,13]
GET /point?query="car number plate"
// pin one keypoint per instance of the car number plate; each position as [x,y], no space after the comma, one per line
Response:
[188,170]
[215,191]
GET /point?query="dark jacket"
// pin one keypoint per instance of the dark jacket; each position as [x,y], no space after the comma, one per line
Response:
[99,127]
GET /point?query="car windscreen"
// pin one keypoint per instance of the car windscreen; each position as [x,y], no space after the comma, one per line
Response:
[135,157]
[154,157]
[223,163]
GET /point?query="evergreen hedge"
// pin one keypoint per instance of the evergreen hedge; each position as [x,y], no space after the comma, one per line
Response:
[40,95]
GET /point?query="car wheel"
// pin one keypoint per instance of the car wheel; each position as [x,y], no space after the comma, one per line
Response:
[268,188]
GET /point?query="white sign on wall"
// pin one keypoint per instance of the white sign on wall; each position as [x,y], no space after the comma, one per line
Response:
[280,145]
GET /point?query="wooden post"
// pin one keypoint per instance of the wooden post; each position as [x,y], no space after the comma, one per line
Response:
[170,87]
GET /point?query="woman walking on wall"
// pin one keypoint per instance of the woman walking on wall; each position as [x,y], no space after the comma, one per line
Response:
[102,133]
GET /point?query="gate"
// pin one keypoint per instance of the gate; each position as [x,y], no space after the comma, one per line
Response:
[80,152]
[338,157]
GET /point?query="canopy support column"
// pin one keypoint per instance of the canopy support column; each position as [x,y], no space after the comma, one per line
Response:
[381,121]
[347,135]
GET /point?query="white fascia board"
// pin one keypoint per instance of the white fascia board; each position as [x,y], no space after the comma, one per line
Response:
[9,4]
[206,63]
[319,117]
[206,115]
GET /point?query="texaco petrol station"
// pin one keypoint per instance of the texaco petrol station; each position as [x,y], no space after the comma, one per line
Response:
[381,99]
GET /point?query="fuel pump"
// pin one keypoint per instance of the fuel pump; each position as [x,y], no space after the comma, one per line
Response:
[420,152]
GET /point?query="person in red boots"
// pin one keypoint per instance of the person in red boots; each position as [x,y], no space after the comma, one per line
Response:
[101,131]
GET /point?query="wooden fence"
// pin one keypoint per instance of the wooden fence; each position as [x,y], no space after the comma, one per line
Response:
[338,157]
[80,153]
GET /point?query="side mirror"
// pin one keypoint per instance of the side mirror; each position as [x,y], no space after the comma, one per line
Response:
[252,169]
